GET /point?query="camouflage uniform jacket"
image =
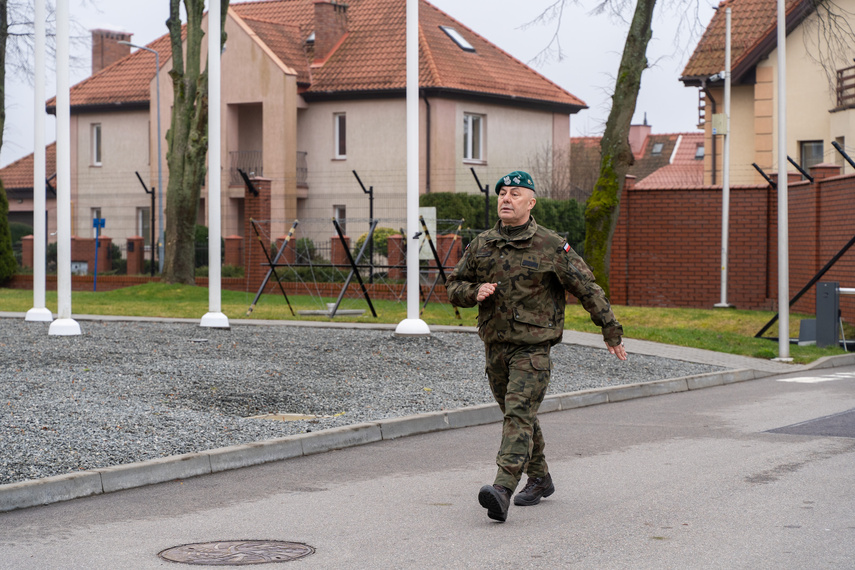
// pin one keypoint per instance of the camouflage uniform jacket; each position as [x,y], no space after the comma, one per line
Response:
[531,272]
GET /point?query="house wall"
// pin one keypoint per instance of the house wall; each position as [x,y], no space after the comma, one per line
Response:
[113,186]
[810,97]
[665,250]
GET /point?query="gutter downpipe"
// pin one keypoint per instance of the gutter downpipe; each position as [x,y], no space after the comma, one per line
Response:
[712,138]
[427,144]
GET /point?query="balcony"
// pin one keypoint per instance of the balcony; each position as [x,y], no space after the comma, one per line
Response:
[250,161]
[845,88]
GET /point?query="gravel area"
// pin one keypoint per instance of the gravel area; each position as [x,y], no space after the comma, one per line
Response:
[124,392]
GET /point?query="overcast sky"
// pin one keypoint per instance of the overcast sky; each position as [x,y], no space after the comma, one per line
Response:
[592,45]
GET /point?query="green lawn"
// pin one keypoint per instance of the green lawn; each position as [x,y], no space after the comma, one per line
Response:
[722,330]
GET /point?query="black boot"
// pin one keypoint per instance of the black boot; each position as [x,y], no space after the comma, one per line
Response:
[535,489]
[496,499]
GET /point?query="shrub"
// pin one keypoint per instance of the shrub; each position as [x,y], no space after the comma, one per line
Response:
[19,230]
[381,245]
[8,263]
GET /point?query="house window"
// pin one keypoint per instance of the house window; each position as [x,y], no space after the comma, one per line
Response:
[96,213]
[96,144]
[144,225]
[473,131]
[657,149]
[457,38]
[340,215]
[811,153]
[340,120]
[699,152]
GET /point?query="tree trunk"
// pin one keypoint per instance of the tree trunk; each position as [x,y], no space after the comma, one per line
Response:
[603,207]
[187,140]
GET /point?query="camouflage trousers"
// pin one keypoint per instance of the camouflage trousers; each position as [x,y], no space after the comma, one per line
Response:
[519,376]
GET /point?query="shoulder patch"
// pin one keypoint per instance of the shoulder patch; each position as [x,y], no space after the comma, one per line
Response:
[566,247]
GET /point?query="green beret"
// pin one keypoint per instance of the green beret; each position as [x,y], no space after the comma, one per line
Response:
[516,178]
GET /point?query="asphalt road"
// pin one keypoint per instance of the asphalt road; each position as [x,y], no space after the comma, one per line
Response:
[687,480]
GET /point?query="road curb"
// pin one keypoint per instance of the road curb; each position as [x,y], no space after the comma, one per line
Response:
[110,479]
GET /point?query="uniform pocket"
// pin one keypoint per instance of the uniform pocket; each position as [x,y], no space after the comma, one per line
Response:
[540,362]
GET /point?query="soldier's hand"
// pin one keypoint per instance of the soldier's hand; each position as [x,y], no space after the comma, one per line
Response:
[619,350]
[485,291]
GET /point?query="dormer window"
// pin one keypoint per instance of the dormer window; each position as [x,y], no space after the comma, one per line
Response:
[457,38]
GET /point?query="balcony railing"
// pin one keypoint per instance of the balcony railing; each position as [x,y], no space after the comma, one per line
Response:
[846,87]
[302,170]
[250,161]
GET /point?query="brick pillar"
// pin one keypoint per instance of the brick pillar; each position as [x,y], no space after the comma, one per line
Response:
[337,253]
[136,255]
[825,170]
[27,243]
[256,208]
[443,244]
[233,250]
[290,253]
[397,256]
[104,261]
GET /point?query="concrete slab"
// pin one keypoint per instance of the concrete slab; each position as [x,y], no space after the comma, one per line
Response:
[154,471]
[237,456]
[50,490]
[339,438]
[411,425]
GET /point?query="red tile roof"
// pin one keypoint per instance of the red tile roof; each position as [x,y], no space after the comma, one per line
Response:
[683,169]
[19,174]
[753,36]
[370,59]
[126,82]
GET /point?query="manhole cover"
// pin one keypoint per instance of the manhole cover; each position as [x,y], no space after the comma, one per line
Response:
[237,552]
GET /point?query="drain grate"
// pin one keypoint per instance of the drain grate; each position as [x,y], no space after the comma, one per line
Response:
[835,425]
[237,552]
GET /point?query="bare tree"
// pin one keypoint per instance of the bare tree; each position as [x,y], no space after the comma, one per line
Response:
[187,138]
[551,168]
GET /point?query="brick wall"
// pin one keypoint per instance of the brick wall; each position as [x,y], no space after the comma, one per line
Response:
[666,247]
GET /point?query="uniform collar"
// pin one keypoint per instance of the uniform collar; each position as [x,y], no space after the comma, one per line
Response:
[521,240]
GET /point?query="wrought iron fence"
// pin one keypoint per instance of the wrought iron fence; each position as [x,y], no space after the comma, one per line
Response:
[250,161]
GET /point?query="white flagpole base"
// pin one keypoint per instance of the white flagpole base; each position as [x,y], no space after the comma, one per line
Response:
[64,327]
[39,315]
[215,321]
[412,327]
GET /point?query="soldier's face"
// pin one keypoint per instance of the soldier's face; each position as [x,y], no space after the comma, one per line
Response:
[515,203]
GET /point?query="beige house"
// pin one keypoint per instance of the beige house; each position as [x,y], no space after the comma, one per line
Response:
[820,87]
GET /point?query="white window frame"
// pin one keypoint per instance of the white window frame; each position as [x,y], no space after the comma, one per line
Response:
[144,225]
[340,214]
[473,150]
[340,139]
[97,144]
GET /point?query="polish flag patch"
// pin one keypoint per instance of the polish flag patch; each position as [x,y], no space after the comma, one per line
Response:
[567,247]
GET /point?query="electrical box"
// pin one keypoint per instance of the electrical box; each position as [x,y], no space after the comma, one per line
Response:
[827,313]
[719,124]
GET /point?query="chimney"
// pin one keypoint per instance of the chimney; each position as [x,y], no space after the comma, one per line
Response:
[106,49]
[637,135]
[330,27]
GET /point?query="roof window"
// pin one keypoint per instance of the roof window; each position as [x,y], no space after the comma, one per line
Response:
[458,39]
[699,152]
[657,149]
[311,38]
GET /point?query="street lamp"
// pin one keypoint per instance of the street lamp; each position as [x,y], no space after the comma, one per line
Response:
[160,238]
